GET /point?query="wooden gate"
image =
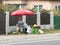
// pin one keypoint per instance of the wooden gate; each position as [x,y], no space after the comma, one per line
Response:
[2,24]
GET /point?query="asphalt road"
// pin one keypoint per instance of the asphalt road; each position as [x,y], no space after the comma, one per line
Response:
[56,42]
[47,39]
[51,42]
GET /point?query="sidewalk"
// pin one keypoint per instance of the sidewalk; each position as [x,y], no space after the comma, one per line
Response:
[31,37]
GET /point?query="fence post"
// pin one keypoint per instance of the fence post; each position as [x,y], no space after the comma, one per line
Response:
[52,19]
[7,22]
[38,18]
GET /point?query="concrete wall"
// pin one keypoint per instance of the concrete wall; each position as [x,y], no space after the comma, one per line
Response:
[51,25]
[9,28]
[14,28]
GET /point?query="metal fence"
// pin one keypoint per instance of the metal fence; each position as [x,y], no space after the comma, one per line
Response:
[45,18]
[13,20]
[31,20]
[2,24]
[56,22]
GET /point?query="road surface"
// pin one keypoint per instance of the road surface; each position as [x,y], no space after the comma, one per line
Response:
[49,42]
[44,39]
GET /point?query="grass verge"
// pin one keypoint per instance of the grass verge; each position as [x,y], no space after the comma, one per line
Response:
[51,31]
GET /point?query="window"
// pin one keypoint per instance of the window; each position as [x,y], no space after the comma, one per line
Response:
[37,8]
[58,10]
[16,6]
[22,6]
[57,7]
[13,7]
[40,7]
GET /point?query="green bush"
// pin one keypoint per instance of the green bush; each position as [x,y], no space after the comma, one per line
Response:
[44,10]
[2,11]
[56,12]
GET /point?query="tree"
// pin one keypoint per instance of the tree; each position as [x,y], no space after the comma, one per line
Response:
[0,1]
[2,9]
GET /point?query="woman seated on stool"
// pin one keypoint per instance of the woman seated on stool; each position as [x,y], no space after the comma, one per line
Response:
[20,25]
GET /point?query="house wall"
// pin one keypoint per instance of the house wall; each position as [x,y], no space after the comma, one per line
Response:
[13,2]
[30,4]
[46,4]
[54,3]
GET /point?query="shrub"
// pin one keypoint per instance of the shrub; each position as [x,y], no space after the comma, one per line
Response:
[56,12]
[2,9]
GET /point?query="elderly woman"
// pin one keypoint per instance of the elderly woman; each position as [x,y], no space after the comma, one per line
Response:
[20,25]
